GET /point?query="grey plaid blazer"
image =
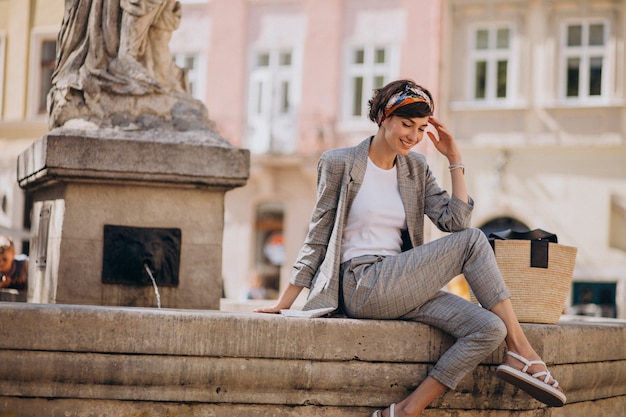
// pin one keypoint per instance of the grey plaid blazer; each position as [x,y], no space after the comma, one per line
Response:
[340,174]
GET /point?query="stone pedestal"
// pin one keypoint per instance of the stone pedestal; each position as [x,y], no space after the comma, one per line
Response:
[82,180]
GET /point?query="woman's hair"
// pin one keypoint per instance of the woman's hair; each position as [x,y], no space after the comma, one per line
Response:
[6,244]
[389,101]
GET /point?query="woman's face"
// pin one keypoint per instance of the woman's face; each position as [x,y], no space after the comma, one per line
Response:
[6,261]
[402,134]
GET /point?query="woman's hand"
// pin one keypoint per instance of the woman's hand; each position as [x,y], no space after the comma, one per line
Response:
[268,309]
[446,144]
[5,281]
[285,300]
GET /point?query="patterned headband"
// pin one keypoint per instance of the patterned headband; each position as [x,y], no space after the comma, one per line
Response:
[407,96]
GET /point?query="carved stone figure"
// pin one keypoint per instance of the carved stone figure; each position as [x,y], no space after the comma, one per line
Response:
[127,250]
[114,67]
[143,52]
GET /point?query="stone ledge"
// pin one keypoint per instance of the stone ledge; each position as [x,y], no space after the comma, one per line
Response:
[197,158]
[20,407]
[152,359]
[176,332]
[272,381]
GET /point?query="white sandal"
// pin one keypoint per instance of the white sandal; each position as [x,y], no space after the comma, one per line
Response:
[537,385]
[379,413]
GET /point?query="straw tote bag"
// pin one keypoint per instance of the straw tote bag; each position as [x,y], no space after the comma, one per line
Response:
[538,272]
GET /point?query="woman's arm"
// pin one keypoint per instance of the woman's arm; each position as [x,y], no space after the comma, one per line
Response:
[447,146]
[459,189]
[448,213]
[285,300]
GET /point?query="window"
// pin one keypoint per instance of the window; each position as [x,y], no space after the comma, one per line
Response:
[368,68]
[43,59]
[491,56]
[594,299]
[500,224]
[46,68]
[2,65]
[191,64]
[272,101]
[584,59]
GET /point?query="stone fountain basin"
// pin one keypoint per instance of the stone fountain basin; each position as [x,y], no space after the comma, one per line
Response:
[74,360]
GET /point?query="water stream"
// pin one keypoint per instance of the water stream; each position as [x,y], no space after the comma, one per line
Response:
[156,289]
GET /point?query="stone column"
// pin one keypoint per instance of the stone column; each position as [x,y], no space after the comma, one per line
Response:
[82,180]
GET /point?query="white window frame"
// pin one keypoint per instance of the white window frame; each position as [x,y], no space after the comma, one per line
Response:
[39,36]
[272,78]
[3,43]
[492,55]
[585,52]
[196,76]
[369,70]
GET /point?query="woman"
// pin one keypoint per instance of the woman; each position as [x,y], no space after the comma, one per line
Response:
[364,252]
[13,269]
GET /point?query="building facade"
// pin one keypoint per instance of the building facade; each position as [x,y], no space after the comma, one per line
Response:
[28,33]
[534,91]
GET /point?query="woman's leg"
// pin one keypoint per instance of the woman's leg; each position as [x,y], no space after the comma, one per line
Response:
[399,286]
[478,332]
[516,340]
[418,400]
[390,287]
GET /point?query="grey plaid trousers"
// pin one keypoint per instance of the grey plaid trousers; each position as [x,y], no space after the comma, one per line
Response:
[409,286]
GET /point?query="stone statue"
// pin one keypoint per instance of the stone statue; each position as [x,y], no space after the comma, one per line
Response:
[114,67]
[143,53]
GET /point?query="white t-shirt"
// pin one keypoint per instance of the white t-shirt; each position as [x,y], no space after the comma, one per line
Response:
[376,216]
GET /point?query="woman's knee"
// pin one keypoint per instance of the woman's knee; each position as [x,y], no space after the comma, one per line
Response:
[475,235]
[477,240]
[495,329]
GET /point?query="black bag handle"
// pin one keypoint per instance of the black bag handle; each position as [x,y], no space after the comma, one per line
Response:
[536,234]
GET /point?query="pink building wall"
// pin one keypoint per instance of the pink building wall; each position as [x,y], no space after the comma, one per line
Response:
[321,75]
[421,49]
[227,67]
[327,23]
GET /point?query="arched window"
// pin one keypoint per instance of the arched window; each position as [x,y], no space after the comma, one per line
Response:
[503,223]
